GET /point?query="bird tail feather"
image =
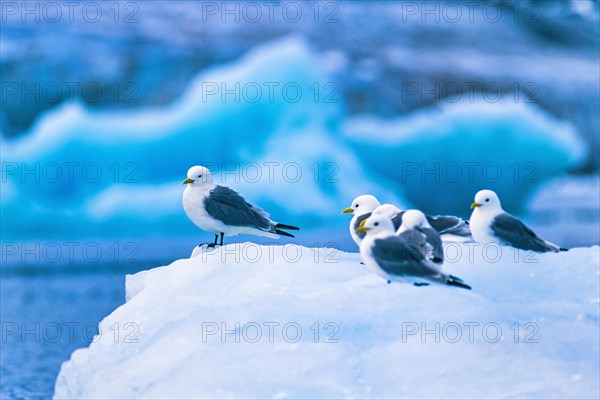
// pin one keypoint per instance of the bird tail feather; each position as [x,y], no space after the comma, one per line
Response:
[288,227]
[554,247]
[456,281]
[463,230]
[283,233]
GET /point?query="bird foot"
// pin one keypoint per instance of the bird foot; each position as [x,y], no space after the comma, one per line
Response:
[208,245]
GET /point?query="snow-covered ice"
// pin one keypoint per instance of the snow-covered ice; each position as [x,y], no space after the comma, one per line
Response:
[313,323]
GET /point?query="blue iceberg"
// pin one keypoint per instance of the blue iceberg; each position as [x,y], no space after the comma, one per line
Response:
[438,159]
[264,125]
[271,126]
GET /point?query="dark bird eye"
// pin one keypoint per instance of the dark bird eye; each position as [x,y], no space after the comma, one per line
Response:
[199,176]
[356,205]
[376,224]
[487,200]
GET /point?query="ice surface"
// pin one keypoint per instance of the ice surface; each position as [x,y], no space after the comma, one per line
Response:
[175,315]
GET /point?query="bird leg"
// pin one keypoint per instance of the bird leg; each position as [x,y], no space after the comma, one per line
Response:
[221,244]
[213,245]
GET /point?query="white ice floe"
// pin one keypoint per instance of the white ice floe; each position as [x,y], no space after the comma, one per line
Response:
[250,321]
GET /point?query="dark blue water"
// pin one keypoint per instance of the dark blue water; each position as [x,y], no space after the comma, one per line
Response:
[44,318]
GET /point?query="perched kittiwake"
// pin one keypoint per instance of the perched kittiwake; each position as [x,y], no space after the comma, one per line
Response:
[361,207]
[222,211]
[491,224]
[394,258]
[451,229]
[414,228]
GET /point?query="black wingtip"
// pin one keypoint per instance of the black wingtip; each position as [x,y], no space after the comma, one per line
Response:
[455,281]
[284,233]
[288,227]
[563,249]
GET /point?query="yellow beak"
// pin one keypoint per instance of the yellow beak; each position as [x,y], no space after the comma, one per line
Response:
[362,229]
[188,180]
[362,223]
[348,210]
[475,204]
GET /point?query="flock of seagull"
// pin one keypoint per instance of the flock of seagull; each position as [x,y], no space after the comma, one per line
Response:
[394,244]
[407,245]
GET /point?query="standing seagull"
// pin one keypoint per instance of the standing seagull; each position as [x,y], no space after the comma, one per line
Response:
[490,224]
[361,207]
[415,228]
[222,211]
[394,258]
[451,229]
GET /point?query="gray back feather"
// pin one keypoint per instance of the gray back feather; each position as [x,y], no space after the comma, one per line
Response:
[417,239]
[428,241]
[434,240]
[401,258]
[449,224]
[227,206]
[512,232]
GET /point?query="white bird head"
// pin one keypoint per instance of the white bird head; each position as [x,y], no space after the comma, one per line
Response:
[487,200]
[376,226]
[386,210]
[412,219]
[362,205]
[198,176]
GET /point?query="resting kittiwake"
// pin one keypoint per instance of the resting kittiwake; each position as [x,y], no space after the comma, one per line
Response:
[414,228]
[222,211]
[361,207]
[394,258]
[491,224]
[451,229]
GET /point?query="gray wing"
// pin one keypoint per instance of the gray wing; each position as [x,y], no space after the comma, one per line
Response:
[227,206]
[397,220]
[449,224]
[512,232]
[437,248]
[428,241]
[358,221]
[417,239]
[398,257]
